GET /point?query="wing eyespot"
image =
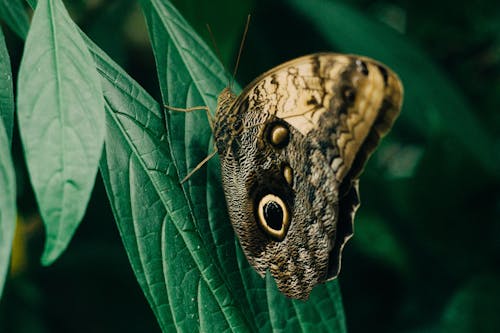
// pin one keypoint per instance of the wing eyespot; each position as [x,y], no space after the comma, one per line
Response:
[273,216]
[349,94]
[278,134]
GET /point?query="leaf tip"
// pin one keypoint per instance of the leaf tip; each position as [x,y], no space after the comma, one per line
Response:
[52,252]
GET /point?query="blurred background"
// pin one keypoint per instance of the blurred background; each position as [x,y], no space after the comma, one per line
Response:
[426,253]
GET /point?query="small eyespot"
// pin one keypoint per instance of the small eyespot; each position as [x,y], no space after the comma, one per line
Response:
[288,174]
[361,65]
[349,94]
[273,216]
[279,135]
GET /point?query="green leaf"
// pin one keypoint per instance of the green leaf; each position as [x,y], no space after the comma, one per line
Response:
[14,14]
[136,145]
[6,90]
[139,213]
[433,104]
[190,75]
[7,203]
[61,122]
[7,175]
[142,185]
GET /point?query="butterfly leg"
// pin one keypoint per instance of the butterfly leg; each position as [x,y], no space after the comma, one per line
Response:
[196,168]
[195,108]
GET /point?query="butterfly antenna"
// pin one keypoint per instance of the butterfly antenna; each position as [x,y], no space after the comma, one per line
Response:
[239,52]
[217,52]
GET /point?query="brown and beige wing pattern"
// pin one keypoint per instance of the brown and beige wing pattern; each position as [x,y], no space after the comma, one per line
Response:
[291,148]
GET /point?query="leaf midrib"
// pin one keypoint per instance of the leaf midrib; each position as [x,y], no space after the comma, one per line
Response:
[60,113]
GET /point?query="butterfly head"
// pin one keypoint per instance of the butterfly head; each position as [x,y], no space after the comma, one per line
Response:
[224,101]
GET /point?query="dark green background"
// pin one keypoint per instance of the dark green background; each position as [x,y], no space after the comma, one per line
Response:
[425,257]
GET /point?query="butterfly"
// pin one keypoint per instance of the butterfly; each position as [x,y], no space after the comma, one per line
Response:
[291,147]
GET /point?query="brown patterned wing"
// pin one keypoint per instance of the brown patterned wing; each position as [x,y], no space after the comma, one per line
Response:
[292,146]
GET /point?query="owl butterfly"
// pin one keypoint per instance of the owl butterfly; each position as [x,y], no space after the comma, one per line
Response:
[292,146]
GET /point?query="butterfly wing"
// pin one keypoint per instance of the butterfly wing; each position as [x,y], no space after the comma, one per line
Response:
[292,146]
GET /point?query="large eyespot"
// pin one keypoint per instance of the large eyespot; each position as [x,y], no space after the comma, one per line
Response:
[278,134]
[273,216]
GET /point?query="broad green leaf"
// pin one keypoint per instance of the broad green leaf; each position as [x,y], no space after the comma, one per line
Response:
[61,121]
[14,14]
[144,190]
[433,104]
[7,203]
[190,75]
[136,145]
[6,90]
[211,318]
[138,173]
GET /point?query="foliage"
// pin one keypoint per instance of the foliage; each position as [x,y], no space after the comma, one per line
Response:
[425,254]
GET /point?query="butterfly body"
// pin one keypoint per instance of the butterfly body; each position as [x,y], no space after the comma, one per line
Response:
[291,146]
